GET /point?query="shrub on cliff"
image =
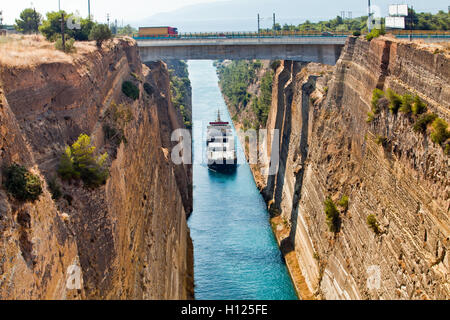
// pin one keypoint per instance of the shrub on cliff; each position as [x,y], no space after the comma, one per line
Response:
[406,103]
[395,101]
[79,161]
[130,90]
[343,203]
[375,33]
[373,223]
[69,45]
[332,216]
[100,33]
[423,121]
[275,64]
[418,106]
[377,94]
[439,131]
[22,184]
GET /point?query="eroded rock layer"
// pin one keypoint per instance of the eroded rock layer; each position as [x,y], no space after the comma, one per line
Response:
[130,237]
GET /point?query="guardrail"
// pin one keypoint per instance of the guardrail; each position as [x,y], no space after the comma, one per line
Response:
[254,35]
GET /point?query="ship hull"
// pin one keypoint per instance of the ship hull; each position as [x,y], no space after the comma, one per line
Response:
[223,167]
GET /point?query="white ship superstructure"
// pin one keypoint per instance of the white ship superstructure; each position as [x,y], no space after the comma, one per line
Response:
[220,143]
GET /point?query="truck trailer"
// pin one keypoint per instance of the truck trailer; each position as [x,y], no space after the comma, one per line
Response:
[157,32]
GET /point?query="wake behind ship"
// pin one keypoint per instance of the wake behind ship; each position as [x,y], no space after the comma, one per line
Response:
[221,152]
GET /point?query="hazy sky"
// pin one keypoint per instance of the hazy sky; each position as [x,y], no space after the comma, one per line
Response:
[129,10]
[132,11]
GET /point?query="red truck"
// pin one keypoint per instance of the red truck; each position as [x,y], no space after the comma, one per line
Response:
[145,32]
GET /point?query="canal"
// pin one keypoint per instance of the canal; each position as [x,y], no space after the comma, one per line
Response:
[235,253]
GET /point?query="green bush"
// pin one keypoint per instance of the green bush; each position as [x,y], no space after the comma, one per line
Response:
[377,94]
[332,216]
[370,117]
[130,90]
[395,101]
[356,33]
[406,103]
[375,33]
[275,65]
[51,27]
[418,106]
[79,162]
[343,203]
[22,184]
[423,121]
[439,131]
[381,140]
[69,45]
[373,224]
[100,33]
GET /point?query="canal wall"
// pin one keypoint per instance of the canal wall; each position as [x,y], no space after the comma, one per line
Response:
[331,148]
[127,239]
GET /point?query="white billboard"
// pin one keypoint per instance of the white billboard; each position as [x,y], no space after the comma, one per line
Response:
[398,10]
[395,22]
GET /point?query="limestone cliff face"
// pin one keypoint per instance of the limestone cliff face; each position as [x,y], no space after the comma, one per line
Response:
[129,237]
[328,149]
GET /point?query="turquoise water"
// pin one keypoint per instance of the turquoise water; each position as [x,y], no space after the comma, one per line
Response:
[235,253]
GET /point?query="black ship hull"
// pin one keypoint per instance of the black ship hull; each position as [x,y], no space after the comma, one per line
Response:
[223,167]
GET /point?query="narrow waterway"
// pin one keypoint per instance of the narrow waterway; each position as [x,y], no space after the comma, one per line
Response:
[235,253]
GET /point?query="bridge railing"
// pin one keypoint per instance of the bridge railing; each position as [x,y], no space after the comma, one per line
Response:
[287,34]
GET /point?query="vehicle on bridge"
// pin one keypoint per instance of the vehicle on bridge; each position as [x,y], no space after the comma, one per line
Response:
[149,32]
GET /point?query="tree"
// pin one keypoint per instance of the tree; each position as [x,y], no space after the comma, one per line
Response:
[51,28]
[100,33]
[29,21]
[126,30]
[78,161]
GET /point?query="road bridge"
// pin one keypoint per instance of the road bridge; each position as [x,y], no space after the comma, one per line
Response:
[321,49]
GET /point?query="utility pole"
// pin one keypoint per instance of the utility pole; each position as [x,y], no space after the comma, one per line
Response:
[59,5]
[35,18]
[1,19]
[63,31]
[369,19]
[89,9]
[274,23]
[258,25]
[107,18]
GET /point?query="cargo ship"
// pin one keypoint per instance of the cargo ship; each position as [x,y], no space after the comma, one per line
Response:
[221,152]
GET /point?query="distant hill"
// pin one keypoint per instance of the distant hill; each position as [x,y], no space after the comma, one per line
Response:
[240,15]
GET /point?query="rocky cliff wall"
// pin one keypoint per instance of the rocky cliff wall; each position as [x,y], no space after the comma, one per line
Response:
[129,237]
[328,149]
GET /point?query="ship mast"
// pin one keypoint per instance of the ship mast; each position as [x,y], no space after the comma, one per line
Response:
[218,116]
